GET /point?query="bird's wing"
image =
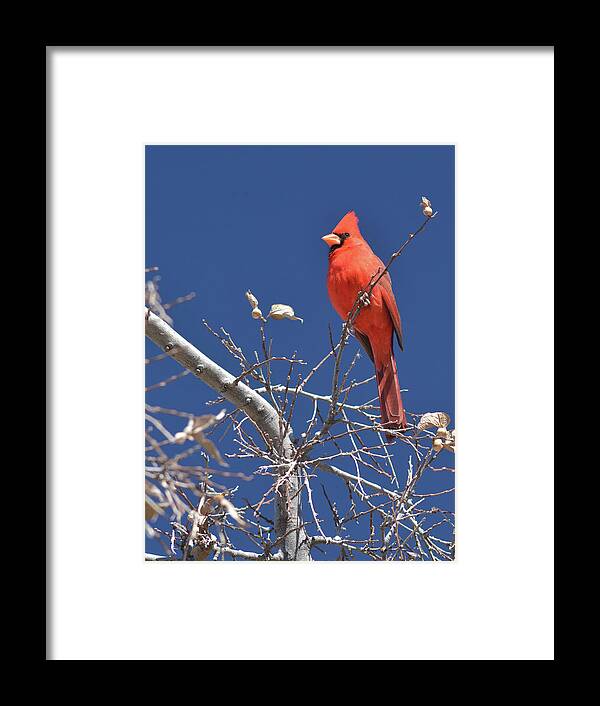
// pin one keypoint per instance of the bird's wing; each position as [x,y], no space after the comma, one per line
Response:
[390,304]
[365,343]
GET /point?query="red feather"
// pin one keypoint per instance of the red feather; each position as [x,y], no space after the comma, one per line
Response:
[351,266]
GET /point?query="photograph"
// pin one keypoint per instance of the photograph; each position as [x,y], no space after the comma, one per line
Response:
[300,353]
[347,260]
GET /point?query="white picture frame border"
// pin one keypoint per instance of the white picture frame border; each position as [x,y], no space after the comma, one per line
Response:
[495,601]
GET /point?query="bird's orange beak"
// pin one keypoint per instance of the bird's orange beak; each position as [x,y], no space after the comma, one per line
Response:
[332,239]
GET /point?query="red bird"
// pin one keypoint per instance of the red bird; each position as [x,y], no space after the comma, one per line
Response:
[352,263]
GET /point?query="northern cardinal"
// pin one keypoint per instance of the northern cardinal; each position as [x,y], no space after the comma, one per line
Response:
[352,263]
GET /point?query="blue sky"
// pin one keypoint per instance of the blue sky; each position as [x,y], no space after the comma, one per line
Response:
[221,220]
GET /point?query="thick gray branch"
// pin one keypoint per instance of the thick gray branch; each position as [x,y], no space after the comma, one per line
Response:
[292,537]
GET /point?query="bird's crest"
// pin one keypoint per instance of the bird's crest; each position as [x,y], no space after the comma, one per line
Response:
[348,224]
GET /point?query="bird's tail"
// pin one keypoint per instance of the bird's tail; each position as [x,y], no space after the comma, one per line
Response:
[393,415]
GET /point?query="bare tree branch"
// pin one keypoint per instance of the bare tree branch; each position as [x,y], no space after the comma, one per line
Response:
[290,533]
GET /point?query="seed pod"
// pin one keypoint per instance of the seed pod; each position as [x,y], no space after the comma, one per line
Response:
[256,313]
[438,445]
[252,300]
[434,419]
[181,437]
[283,311]
[450,442]
[428,211]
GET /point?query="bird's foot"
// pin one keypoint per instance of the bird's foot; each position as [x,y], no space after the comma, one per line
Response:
[364,299]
